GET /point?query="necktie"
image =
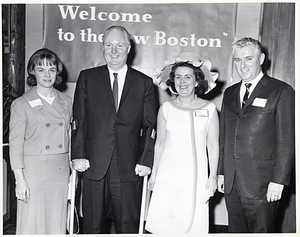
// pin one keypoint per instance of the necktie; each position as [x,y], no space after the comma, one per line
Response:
[115,90]
[246,95]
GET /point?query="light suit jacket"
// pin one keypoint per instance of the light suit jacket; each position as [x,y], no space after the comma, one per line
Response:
[37,127]
[257,143]
[100,130]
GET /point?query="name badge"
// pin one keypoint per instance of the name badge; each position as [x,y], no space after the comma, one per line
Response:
[35,103]
[259,102]
[201,113]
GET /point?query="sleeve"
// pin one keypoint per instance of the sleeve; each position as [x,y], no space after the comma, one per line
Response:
[17,128]
[148,127]
[221,139]
[79,124]
[285,137]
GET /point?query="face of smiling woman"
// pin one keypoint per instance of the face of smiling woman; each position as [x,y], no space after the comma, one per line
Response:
[45,75]
[116,49]
[185,81]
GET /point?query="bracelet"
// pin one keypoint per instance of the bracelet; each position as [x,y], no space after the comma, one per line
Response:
[19,180]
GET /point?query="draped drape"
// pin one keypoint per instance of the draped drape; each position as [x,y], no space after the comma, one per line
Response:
[278,33]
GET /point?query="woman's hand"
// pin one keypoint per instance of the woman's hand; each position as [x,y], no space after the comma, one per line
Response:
[22,190]
[211,187]
[212,183]
[151,182]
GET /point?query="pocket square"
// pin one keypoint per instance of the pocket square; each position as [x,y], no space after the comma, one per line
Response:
[259,102]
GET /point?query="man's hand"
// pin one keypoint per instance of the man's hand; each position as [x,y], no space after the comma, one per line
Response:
[221,183]
[142,170]
[80,165]
[274,192]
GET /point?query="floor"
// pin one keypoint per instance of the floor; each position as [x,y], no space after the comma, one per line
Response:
[9,228]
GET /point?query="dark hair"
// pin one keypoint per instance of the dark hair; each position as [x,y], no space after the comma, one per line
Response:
[39,58]
[202,86]
[120,28]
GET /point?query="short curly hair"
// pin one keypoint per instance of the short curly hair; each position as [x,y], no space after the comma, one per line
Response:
[38,58]
[202,86]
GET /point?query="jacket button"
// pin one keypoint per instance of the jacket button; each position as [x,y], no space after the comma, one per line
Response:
[60,146]
[112,141]
[48,125]
[237,136]
[116,125]
[47,147]
[61,124]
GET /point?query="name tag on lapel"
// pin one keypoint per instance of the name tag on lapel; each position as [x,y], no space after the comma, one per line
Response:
[35,103]
[201,113]
[259,102]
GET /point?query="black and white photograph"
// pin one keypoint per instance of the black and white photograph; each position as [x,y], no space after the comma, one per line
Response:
[169,118]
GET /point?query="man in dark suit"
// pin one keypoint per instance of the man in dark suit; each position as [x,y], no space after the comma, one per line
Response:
[257,132]
[113,143]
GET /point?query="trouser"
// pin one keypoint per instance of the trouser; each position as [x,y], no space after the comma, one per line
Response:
[250,215]
[111,197]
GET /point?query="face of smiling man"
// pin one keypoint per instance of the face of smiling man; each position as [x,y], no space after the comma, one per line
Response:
[248,61]
[116,48]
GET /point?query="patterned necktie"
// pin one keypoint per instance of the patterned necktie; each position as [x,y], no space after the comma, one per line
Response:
[115,90]
[246,95]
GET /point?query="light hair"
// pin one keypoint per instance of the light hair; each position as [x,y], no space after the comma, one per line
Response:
[246,41]
[120,28]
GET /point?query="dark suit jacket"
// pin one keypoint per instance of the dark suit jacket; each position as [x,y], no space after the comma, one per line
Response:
[99,129]
[257,142]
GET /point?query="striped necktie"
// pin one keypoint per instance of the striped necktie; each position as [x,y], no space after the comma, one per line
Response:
[246,95]
[115,90]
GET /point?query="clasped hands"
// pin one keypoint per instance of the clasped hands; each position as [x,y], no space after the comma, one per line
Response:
[82,165]
[274,191]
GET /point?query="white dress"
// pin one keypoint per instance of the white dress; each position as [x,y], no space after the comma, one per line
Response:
[178,202]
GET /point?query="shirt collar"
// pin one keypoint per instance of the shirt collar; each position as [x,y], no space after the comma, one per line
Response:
[255,81]
[122,72]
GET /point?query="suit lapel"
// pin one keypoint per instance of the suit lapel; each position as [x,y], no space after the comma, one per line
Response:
[105,79]
[37,103]
[236,96]
[127,84]
[257,90]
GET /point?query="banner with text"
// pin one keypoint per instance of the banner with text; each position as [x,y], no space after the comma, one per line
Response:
[161,31]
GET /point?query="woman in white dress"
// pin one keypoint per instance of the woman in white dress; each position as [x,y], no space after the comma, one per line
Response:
[184,174]
[39,146]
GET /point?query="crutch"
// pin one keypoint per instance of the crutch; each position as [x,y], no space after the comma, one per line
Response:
[73,189]
[143,205]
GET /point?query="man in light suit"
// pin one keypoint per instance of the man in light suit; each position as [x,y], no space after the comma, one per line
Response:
[256,142]
[113,142]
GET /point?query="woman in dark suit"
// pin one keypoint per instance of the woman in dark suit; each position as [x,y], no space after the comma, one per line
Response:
[39,146]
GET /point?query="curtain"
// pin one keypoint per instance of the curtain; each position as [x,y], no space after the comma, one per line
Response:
[278,34]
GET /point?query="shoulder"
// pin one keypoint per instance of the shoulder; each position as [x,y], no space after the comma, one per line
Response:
[19,101]
[27,96]
[233,87]
[137,74]
[275,82]
[93,70]
[63,96]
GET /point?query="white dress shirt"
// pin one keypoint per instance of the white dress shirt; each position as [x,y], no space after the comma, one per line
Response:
[121,80]
[254,82]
